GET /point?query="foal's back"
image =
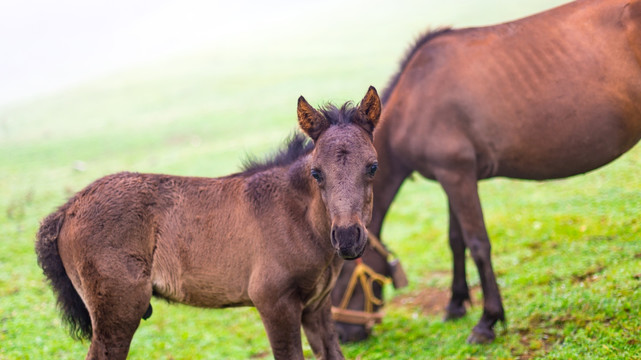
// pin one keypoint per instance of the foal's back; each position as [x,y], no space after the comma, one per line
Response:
[527,99]
[199,239]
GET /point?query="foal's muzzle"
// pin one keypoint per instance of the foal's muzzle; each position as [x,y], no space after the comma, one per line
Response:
[349,241]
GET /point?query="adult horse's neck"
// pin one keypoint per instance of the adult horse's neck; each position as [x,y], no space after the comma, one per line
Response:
[392,170]
[391,174]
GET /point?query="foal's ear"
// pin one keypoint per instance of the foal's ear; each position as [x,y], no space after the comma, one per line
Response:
[312,122]
[370,110]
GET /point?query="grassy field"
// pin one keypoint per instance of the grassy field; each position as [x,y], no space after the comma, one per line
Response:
[567,253]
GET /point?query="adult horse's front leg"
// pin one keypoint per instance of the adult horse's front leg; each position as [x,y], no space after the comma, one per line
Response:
[460,291]
[320,332]
[460,185]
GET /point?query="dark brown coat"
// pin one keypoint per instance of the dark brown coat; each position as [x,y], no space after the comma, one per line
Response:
[273,237]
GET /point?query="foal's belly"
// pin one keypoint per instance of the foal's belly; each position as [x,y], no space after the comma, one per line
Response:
[203,278]
[202,290]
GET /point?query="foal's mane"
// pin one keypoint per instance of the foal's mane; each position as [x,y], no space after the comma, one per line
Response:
[298,144]
[295,147]
[345,114]
[422,40]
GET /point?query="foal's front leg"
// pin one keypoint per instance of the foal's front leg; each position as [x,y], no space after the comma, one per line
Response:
[281,315]
[320,332]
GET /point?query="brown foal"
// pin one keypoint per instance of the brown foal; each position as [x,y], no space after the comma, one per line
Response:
[273,237]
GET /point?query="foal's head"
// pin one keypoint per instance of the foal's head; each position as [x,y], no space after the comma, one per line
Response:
[343,165]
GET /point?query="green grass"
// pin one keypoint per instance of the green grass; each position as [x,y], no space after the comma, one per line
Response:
[567,253]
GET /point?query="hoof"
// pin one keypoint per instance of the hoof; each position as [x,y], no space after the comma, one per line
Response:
[454,312]
[481,336]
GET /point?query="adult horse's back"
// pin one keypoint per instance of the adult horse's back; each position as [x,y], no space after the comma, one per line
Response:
[548,96]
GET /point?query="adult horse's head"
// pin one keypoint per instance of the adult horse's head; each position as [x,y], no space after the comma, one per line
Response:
[343,165]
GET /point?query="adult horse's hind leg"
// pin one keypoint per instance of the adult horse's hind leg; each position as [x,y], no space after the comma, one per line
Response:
[460,185]
[320,332]
[460,291]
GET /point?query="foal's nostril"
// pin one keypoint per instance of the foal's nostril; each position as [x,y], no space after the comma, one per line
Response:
[348,240]
[333,238]
[345,235]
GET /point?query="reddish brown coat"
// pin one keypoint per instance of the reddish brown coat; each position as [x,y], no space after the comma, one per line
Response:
[548,96]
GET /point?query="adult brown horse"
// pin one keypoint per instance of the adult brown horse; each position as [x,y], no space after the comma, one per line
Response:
[548,96]
[273,237]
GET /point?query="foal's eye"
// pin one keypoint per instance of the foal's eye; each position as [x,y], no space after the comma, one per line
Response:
[316,174]
[371,169]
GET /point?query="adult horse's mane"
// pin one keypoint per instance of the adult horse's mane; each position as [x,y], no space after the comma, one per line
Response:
[298,145]
[422,40]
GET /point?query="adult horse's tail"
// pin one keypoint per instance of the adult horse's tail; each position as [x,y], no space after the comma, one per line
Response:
[73,309]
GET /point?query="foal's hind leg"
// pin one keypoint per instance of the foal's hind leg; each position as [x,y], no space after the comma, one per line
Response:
[116,304]
[115,319]
[320,332]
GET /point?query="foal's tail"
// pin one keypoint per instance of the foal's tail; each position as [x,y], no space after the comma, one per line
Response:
[74,312]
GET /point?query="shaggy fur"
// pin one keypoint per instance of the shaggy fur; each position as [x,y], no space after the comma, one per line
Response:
[265,237]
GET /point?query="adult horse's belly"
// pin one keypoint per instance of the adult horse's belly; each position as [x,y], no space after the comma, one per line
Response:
[569,144]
